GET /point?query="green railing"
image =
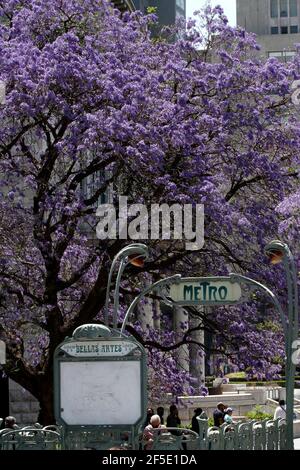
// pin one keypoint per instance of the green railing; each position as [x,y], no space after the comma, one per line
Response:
[31,438]
[252,435]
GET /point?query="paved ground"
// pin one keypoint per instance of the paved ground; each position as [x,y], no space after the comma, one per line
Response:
[297,444]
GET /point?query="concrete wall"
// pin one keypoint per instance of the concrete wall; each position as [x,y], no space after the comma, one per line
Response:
[280,42]
[241,403]
[254,15]
[241,398]
[22,405]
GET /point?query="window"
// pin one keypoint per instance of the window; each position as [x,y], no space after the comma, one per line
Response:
[274,8]
[91,184]
[294,29]
[282,56]
[293,8]
[289,55]
[284,29]
[283,9]
[274,30]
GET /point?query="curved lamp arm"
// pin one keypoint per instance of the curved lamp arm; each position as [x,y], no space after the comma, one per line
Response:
[135,248]
[277,252]
[252,282]
[160,283]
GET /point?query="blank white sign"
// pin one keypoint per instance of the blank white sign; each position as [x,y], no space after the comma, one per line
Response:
[100,392]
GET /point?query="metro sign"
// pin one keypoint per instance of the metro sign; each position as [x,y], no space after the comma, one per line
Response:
[207,291]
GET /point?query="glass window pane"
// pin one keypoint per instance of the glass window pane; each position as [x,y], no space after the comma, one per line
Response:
[283,8]
[275,54]
[293,8]
[274,30]
[284,29]
[274,8]
[294,29]
[289,55]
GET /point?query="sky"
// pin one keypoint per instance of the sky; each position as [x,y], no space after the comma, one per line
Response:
[228,5]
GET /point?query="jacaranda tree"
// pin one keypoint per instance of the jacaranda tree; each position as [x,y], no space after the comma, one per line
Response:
[94,102]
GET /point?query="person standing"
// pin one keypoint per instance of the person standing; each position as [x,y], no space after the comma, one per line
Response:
[219,415]
[160,412]
[173,420]
[150,413]
[280,412]
[228,416]
[195,424]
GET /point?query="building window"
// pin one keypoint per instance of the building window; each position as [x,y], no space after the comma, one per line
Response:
[293,8]
[91,184]
[289,55]
[282,56]
[283,9]
[284,30]
[274,30]
[294,29]
[274,8]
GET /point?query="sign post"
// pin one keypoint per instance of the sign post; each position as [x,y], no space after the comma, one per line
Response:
[100,385]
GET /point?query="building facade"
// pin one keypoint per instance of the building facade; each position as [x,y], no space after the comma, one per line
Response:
[167,10]
[276,23]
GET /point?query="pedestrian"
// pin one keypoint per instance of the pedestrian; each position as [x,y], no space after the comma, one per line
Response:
[280,412]
[228,416]
[219,415]
[173,420]
[149,432]
[160,412]
[10,422]
[150,412]
[195,424]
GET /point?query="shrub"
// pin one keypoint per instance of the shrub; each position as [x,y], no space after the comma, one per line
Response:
[258,413]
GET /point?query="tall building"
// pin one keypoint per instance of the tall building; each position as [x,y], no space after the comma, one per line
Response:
[167,10]
[276,23]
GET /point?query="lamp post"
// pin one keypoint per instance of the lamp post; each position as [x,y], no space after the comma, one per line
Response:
[278,252]
[134,254]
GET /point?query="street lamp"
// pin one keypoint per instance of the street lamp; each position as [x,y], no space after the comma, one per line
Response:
[134,254]
[278,252]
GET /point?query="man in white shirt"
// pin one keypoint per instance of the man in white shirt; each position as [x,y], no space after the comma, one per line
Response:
[280,411]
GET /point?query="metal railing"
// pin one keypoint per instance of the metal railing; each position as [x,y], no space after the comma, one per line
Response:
[31,438]
[251,435]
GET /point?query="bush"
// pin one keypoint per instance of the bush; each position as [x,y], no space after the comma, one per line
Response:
[210,422]
[258,414]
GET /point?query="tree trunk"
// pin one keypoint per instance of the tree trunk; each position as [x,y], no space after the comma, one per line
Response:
[46,400]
